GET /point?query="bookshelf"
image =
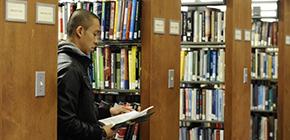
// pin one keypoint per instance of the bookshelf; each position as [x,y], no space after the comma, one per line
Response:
[264,90]
[119,43]
[1,71]
[283,74]
[134,92]
[202,82]
[202,3]
[196,45]
[201,121]
[160,52]
[238,62]
[203,51]
[263,112]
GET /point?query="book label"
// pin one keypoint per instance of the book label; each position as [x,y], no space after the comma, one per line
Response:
[16,11]
[45,13]
[159,25]
[247,35]
[238,34]
[174,27]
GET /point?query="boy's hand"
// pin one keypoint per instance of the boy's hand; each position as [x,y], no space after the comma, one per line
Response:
[119,109]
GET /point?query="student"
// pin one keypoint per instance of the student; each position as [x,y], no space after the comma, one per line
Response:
[77,114]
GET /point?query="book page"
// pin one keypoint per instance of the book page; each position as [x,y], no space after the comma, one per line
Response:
[125,117]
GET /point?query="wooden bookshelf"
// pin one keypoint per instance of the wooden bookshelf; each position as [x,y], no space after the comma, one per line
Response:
[2,58]
[203,43]
[202,82]
[264,47]
[238,57]
[284,72]
[116,91]
[264,112]
[121,43]
[259,17]
[200,45]
[265,80]
[202,3]
[160,52]
[26,48]
[201,121]
[203,46]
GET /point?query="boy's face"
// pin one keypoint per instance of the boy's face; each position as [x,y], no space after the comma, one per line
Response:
[91,37]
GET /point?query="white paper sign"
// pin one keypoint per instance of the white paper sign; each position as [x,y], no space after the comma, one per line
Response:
[159,25]
[247,35]
[238,34]
[287,39]
[45,13]
[16,10]
[174,27]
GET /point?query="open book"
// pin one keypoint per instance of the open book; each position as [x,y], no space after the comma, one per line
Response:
[127,118]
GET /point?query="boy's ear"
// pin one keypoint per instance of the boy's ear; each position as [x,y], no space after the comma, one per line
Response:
[80,31]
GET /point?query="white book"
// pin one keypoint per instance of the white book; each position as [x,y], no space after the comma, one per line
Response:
[221,134]
[190,66]
[224,27]
[275,129]
[200,28]
[275,75]
[79,5]
[262,64]
[181,97]
[219,27]
[208,105]
[221,65]
[196,26]
[122,118]
[194,134]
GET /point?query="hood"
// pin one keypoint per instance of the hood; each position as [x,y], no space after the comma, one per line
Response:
[65,46]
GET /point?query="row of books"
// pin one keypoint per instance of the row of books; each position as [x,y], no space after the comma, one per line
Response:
[202,104]
[203,65]
[200,134]
[203,25]
[264,65]
[264,128]
[264,97]
[264,33]
[116,68]
[120,19]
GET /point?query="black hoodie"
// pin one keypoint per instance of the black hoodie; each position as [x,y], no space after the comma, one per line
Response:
[77,116]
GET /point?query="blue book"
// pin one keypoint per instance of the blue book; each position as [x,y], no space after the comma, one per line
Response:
[190,103]
[214,65]
[133,16]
